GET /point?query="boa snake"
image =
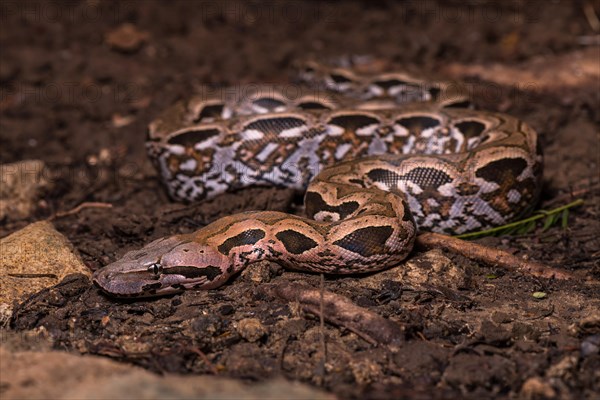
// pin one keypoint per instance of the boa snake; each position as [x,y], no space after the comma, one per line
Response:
[374,171]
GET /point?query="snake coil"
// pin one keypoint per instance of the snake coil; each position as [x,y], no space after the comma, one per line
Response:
[380,157]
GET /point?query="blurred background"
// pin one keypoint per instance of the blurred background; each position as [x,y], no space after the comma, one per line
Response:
[81,80]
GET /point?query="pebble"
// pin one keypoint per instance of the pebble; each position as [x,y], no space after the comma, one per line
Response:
[251,329]
[259,272]
[536,388]
[590,346]
[126,38]
[22,185]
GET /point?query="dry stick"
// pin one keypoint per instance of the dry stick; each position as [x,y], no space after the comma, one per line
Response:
[340,311]
[53,276]
[322,327]
[490,256]
[572,195]
[204,358]
[87,204]
[590,15]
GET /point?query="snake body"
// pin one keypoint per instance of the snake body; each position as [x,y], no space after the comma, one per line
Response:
[375,172]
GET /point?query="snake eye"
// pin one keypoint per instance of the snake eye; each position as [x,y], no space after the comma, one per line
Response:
[155,268]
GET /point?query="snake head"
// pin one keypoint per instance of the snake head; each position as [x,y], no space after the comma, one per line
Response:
[165,266]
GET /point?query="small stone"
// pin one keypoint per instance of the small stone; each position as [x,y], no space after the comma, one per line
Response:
[365,371]
[119,121]
[430,268]
[564,369]
[251,329]
[207,325]
[590,346]
[131,346]
[126,38]
[473,370]
[500,317]
[588,325]
[5,314]
[536,388]
[494,334]
[34,258]
[22,185]
[522,330]
[226,309]
[259,272]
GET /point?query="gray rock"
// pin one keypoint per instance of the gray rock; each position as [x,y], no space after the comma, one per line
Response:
[56,375]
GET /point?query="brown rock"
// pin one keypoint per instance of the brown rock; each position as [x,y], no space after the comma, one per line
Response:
[56,375]
[34,258]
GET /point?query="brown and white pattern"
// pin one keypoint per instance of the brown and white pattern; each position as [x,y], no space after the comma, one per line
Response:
[379,156]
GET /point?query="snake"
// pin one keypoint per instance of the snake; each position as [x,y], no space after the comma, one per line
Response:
[380,156]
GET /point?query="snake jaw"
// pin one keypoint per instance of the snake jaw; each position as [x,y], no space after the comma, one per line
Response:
[124,279]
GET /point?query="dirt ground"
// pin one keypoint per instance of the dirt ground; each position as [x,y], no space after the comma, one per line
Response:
[78,96]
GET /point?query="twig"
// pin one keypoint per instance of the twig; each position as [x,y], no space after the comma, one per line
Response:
[589,40]
[87,204]
[281,356]
[336,321]
[340,311]
[590,15]
[545,314]
[490,256]
[204,358]
[572,194]
[53,276]
[540,214]
[322,328]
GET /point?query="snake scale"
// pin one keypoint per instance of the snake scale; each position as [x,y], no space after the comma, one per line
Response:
[380,157]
